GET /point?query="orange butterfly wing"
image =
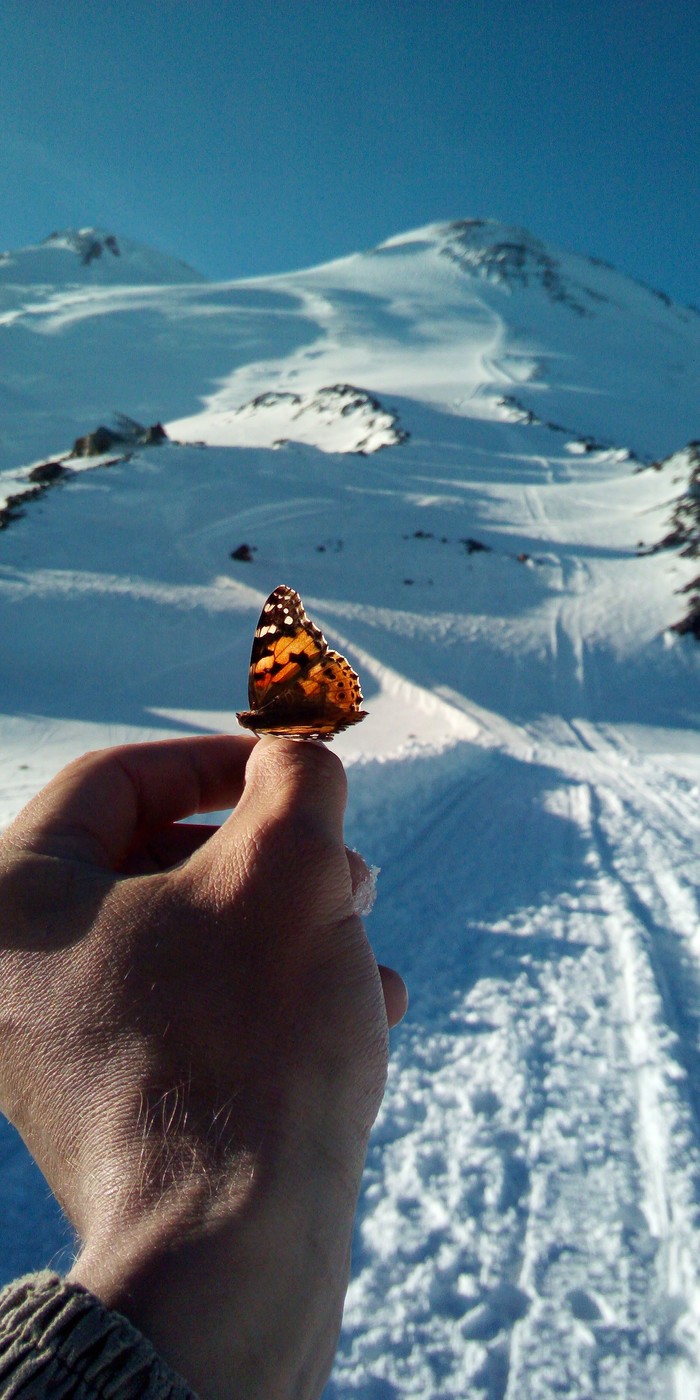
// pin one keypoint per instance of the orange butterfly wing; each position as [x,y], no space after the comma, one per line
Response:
[298,686]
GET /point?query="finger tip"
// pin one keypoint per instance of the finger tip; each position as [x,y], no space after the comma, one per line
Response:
[300,780]
[295,758]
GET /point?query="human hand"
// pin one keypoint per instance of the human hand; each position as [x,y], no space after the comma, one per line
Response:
[194,1042]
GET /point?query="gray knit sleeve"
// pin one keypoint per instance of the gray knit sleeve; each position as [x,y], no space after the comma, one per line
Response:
[59,1342]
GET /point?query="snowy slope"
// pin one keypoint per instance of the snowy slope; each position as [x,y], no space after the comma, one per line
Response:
[441,444]
[463,314]
[89,257]
[439,315]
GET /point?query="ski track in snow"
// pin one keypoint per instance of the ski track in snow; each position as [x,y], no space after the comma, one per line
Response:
[528,779]
[540,1129]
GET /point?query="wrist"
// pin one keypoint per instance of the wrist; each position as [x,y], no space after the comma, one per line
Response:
[241,1289]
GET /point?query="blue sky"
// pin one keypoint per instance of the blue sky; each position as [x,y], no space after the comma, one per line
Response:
[265,135]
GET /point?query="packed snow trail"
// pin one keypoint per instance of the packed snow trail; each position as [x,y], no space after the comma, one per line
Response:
[529,1221]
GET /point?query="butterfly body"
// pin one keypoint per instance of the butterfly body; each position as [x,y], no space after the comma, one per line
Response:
[298,687]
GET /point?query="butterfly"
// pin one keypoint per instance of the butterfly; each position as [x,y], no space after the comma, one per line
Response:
[297,686]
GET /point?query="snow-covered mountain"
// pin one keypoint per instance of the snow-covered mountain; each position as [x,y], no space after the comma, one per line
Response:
[89,257]
[457,315]
[473,455]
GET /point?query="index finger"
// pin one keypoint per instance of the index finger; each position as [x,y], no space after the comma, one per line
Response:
[96,808]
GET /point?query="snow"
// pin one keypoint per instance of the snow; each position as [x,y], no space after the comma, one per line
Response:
[527,780]
[89,257]
[334,418]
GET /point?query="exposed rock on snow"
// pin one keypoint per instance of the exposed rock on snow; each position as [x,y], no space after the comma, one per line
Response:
[13,505]
[518,261]
[86,242]
[690,623]
[685,518]
[336,418]
[684,534]
[243,554]
[91,256]
[127,431]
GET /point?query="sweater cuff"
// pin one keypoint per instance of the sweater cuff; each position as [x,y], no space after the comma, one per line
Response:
[59,1342]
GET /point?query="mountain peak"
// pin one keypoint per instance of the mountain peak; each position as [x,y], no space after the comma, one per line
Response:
[512,257]
[92,255]
[87,243]
[515,258]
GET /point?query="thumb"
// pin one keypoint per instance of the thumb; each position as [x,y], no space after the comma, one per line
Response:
[285,776]
[285,837]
